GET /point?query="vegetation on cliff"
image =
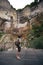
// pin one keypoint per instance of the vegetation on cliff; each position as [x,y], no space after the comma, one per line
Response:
[35,38]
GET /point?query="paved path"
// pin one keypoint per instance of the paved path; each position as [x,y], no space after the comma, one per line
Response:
[28,57]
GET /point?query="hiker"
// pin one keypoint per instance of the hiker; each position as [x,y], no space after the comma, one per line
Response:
[17,43]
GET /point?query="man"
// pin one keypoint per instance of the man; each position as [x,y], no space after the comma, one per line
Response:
[17,43]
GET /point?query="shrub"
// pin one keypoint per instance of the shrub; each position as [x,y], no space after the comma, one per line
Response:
[37,43]
[1,49]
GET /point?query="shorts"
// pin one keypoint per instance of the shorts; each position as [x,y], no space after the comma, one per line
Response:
[19,48]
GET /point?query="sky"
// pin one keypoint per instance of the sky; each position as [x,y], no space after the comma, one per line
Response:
[19,4]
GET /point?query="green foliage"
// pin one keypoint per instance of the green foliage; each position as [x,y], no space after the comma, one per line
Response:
[1,49]
[36,31]
[26,6]
[35,37]
[1,34]
[32,4]
[35,3]
[37,43]
[12,7]
[19,10]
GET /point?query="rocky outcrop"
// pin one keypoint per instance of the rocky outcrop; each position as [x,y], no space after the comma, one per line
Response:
[19,16]
[5,5]
[17,22]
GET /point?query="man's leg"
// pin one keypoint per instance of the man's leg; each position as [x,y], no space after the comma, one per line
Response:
[18,53]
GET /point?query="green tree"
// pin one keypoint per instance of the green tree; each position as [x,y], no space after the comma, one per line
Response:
[36,1]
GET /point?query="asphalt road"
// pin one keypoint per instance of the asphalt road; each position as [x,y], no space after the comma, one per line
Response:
[28,57]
